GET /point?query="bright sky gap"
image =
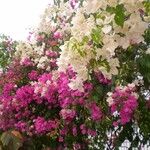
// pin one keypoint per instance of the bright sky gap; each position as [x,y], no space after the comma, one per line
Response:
[18,16]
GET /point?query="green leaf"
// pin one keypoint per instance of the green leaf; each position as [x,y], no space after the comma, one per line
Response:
[110,9]
[85,40]
[135,142]
[147,7]
[10,141]
[144,67]
[147,36]
[96,36]
[125,134]
[119,15]
[5,138]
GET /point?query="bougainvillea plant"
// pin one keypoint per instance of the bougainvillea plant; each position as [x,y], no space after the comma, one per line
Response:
[7,48]
[82,79]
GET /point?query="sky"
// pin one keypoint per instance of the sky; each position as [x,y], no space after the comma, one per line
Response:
[18,16]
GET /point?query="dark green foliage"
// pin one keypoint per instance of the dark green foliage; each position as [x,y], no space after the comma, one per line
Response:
[7,48]
[144,68]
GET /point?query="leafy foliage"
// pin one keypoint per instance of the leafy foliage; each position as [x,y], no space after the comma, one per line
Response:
[110,109]
[7,48]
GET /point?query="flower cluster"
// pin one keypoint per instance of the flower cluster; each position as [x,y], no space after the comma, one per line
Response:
[41,53]
[67,86]
[48,106]
[98,30]
[123,103]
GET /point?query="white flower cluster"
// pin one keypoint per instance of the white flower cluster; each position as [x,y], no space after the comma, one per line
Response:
[96,33]
[33,53]
[56,17]
[82,26]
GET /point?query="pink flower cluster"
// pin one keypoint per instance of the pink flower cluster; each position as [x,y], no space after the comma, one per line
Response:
[73,3]
[33,75]
[42,126]
[96,112]
[26,62]
[68,114]
[49,105]
[123,104]
[100,77]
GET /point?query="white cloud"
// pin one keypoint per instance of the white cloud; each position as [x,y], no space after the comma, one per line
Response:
[17,16]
